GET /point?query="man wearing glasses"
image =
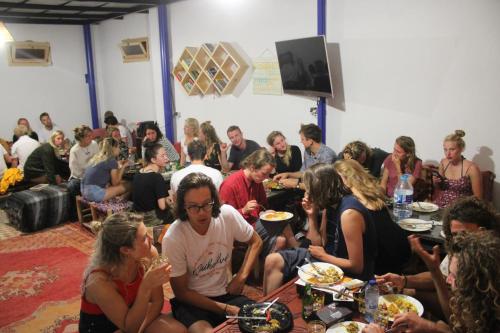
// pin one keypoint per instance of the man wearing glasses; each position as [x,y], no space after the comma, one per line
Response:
[199,245]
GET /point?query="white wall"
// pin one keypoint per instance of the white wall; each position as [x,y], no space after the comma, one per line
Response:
[59,89]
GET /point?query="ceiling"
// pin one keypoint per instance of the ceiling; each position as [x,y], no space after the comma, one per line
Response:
[71,12]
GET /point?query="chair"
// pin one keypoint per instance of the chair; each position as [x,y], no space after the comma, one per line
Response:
[488,178]
[177,146]
[99,133]
[84,211]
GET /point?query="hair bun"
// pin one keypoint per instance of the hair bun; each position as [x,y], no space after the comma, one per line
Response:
[460,133]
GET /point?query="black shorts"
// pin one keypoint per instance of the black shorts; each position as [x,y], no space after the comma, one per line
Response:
[293,258]
[189,314]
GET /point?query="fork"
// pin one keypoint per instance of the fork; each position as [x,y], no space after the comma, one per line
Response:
[314,266]
[309,273]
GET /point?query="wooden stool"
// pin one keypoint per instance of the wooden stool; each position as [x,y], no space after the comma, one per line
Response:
[84,211]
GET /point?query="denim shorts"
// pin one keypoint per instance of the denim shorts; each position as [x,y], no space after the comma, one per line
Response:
[93,193]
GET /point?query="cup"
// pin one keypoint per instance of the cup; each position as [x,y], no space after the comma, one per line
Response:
[316,326]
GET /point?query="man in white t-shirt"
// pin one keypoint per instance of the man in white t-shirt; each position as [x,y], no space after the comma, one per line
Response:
[196,152]
[47,129]
[24,146]
[199,246]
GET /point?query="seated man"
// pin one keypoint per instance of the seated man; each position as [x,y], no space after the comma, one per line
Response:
[196,152]
[466,214]
[199,245]
[240,147]
[244,191]
[315,152]
[47,129]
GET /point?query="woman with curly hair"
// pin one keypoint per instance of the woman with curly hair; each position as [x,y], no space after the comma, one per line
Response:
[403,160]
[458,177]
[393,255]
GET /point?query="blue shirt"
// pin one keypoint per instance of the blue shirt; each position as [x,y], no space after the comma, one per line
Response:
[324,155]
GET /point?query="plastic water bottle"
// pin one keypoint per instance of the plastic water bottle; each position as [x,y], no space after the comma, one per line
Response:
[371,301]
[403,198]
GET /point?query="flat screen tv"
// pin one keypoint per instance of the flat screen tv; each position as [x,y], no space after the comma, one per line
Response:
[304,66]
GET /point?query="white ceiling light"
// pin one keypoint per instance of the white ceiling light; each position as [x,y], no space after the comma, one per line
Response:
[5,35]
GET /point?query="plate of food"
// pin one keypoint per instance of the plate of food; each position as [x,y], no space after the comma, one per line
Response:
[321,274]
[395,304]
[280,318]
[347,327]
[415,225]
[424,207]
[272,185]
[276,216]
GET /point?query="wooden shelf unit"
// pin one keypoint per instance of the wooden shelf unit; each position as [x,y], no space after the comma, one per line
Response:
[209,69]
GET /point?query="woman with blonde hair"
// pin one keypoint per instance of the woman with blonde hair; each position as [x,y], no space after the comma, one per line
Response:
[403,160]
[458,177]
[393,254]
[114,132]
[24,122]
[191,132]
[103,178]
[216,150]
[288,157]
[43,165]
[122,287]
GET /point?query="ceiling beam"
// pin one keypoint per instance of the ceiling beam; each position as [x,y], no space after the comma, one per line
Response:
[139,2]
[44,21]
[10,5]
[56,15]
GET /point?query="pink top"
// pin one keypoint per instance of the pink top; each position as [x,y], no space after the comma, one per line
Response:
[393,179]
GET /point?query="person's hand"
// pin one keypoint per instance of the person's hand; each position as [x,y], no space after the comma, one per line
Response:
[397,163]
[280,176]
[232,310]
[250,206]
[123,163]
[309,207]
[410,322]
[59,179]
[373,328]
[224,147]
[317,252]
[394,280]
[235,287]
[157,276]
[436,180]
[433,260]
[289,183]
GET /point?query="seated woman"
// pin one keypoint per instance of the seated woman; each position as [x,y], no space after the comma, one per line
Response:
[114,132]
[402,160]
[393,248]
[474,271]
[122,286]
[80,155]
[459,177]
[216,150]
[44,165]
[346,233]
[149,189]
[370,158]
[191,132]
[154,135]
[103,178]
[288,158]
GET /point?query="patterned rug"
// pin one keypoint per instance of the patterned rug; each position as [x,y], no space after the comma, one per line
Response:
[40,277]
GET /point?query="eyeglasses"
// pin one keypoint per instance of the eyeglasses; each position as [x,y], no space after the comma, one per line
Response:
[194,209]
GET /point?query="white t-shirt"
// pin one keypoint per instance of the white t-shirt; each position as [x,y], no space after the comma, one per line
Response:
[205,258]
[3,165]
[44,134]
[79,158]
[214,174]
[22,149]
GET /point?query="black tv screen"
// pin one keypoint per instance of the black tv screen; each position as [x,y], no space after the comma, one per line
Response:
[304,66]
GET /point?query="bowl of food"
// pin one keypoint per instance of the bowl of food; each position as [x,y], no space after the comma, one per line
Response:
[279,320]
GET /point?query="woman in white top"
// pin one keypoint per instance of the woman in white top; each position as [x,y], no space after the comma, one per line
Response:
[80,155]
[191,132]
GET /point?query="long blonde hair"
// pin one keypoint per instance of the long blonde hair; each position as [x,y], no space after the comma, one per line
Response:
[288,152]
[356,177]
[57,149]
[105,151]
[194,125]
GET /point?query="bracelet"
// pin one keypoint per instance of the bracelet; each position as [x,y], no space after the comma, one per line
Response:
[406,281]
[225,309]
[298,185]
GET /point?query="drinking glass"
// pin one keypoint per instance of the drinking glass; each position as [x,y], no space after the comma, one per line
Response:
[316,326]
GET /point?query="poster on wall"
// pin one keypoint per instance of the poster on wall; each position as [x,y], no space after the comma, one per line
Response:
[266,76]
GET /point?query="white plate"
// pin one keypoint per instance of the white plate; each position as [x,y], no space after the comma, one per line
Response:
[415,225]
[389,298]
[340,327]
[322,266]
[424,207]
[276,216]
[442,234]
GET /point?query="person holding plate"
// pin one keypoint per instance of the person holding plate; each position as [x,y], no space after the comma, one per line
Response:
[346,235]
